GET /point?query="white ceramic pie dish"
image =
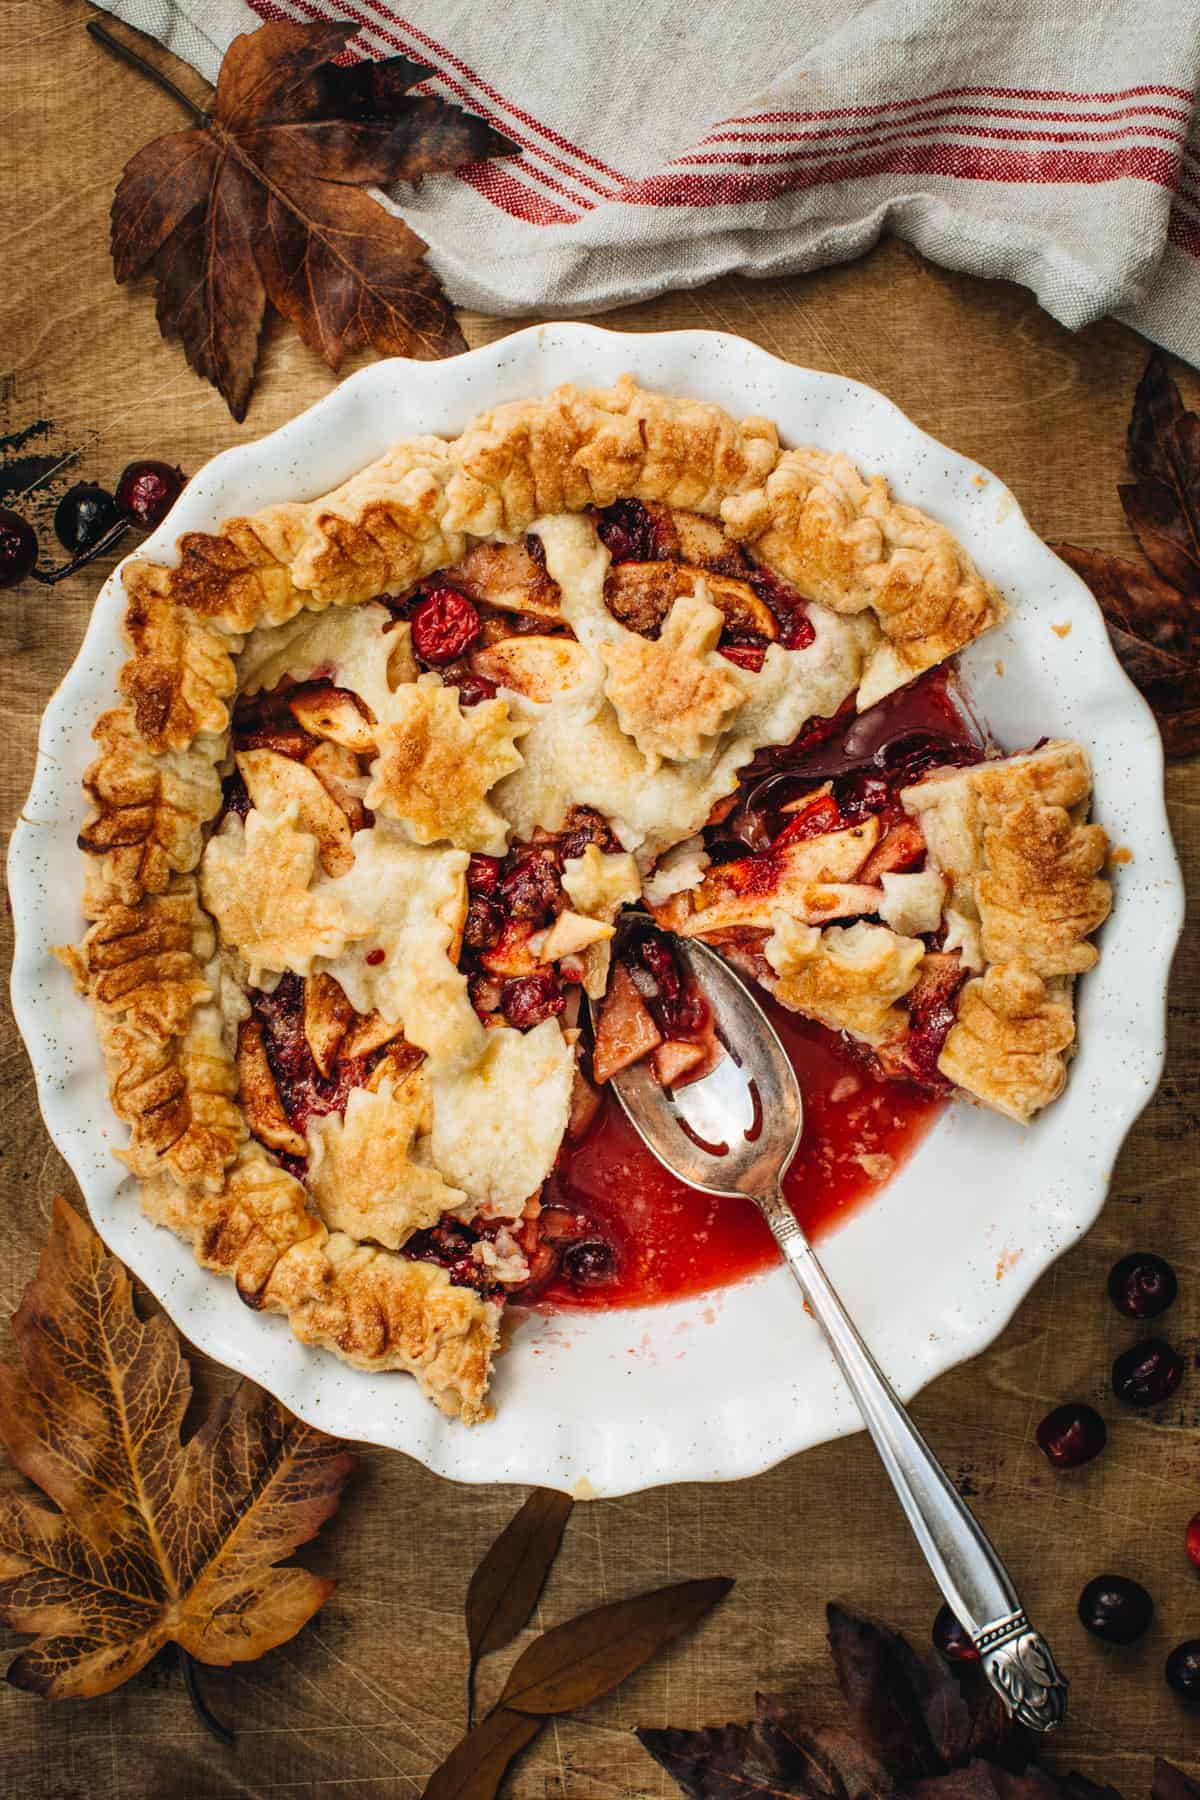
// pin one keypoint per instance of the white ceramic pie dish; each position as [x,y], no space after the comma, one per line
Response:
[725,1385]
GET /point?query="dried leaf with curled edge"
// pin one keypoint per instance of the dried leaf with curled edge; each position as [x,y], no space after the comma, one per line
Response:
[263,200]
[150,1541]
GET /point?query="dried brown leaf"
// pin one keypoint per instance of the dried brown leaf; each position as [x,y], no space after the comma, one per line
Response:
[575,1663]
[151,1541]
[505,1587]
[1170,1783]
[884,1685]
[263,200]
[1163,504]
[479,1762]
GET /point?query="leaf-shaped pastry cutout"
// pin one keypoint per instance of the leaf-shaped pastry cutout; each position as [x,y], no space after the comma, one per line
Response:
[437,764]
[257,881]
[577,1662]
[674,692]
[150,1541]
[505,1587]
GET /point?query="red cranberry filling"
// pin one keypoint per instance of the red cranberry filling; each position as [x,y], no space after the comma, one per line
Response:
[444,626]
[531,888]
[530,999]
[631,533]
[450,1244]
[484,923]
[305,1093]
[932,1008]
[678,1007]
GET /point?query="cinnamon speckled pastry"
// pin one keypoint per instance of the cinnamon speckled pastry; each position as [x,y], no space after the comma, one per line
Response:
[392,763]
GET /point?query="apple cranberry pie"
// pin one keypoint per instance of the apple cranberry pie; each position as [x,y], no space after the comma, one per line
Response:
[401,773]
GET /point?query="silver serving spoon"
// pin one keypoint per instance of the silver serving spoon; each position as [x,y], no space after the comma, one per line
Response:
[736,1132]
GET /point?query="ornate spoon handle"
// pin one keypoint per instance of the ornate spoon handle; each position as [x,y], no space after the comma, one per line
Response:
[975,1583]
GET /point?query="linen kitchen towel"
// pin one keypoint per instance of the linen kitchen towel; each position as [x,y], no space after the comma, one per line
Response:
[1053,142]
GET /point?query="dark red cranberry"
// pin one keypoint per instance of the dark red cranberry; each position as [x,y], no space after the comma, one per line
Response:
[1192,1540]
[583,826]
[83,515]
[1115,1608]
[483,874]
[656,954]
[529,999]
[18,548]
[589,1262]
[628,532]
[800,633]
[373,958]
[474,688]
[484,923]
[444,626]
[147,491]
[1149,1371]
[953,1639]
[531,888]
[1183,1669]
[451,1243]
[1072,1434]
[1142,1285]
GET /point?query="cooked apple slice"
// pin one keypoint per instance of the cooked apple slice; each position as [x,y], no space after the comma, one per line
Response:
[275,782]
[327,1015]
[259,1094]
[506,575]
[538,668]
[641,595]
[332,713]
[625,1031]
[336,768]
[809,878]
[370,1031]
[570,933]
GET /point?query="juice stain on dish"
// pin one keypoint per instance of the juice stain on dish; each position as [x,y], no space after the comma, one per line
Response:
[671,1241]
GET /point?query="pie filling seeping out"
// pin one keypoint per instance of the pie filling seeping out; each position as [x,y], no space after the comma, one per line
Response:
[399,774]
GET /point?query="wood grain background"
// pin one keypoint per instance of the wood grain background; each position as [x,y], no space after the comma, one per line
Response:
[366,1701]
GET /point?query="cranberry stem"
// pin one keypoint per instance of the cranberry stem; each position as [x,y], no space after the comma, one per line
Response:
[117,530]
[124,53]
[200,1705]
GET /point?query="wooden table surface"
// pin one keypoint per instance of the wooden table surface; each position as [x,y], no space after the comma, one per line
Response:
[363,1704]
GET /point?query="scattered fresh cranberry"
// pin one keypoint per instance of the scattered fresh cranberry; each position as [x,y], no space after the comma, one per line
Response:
[1149,1371]
[531,889]
[444,626]
[83,515]
[953,1639]
[1192,1540]
[484,923]
[589,1262]
[483,874]
[1183,1669]
[1115,1608]
[147,491]
[1142,1285]
[1072,1434]
[18,548]
[529,999]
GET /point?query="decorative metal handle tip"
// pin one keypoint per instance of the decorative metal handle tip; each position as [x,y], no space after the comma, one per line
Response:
[1019,1663]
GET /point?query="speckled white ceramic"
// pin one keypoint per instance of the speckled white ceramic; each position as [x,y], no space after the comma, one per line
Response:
[723,1386]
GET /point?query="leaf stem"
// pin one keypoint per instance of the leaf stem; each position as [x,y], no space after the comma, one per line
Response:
[200,1706]
[126,54]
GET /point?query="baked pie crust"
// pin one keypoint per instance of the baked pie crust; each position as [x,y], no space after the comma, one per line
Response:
[279,910]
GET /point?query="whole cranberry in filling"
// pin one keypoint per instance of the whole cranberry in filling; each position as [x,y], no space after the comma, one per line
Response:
[531,889]
[1142,1285]
[1149,1371]
[590,1262]
[628,532]
[953,1639]
[584,826]
[444,626]
[483,874]
[1072,1434]
[484,924]
[451,1244]
[529,999]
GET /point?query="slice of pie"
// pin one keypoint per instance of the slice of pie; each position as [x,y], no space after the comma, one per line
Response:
[399,775]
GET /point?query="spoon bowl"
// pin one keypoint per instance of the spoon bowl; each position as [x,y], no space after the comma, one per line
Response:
[735,1131]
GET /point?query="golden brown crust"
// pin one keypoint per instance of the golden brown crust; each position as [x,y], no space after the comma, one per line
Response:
[437,763]
[672,693]
[181,673]
[848,977]
[179,1098]
[1010,837]
[147,812]
[844,541]
[376,1310]
[145,963]
[1008,1044]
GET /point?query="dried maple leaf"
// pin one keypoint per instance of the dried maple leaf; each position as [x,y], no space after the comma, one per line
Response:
[263,200]
[1153,615]
[153,1541]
